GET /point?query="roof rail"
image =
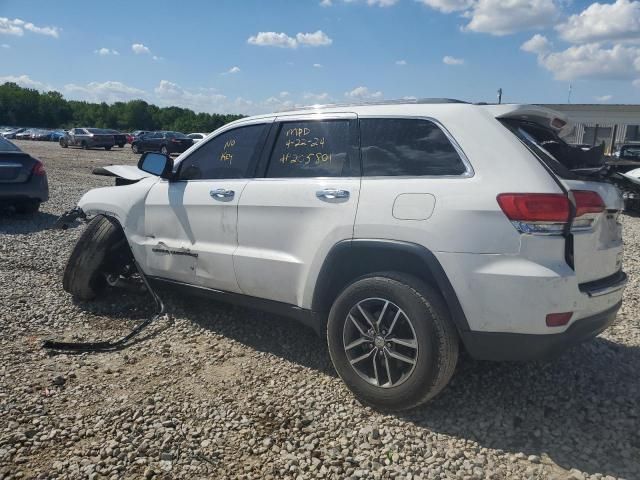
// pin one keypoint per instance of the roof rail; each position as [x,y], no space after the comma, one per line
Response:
[380,102]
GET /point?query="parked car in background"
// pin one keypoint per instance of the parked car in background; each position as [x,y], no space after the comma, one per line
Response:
[25,134]
[41,134]
[135,134]
[118,137]
[164,142]
[11,134]
[630,151]
[56,135]
[196,137]
[87,138]
[23,179]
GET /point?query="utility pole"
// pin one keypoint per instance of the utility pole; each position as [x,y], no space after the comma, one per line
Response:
[499,95]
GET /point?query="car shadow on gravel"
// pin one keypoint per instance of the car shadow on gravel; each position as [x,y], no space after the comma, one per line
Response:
[581,410]
[12,223]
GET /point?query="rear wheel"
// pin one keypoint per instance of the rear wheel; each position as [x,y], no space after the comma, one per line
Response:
[121,145]
[84,275]
[391,340]
[107,148]
[28,207]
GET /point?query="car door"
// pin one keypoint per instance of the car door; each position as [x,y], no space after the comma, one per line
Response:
[77,136]
[191,221]
[305,203]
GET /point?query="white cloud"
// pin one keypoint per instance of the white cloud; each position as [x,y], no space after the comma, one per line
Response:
[317,65]
[601,22]
[273,39]
[282,40]
[500,17]
[604,98]
[5,45]
[448,60]
[26,82]
[139,49]
[402,63]
[284,94]
[326,3]
[382,3]
[232,70]
[17,27]
[448,6]
[536,44]
[106,51]
[205,100]
[636,83]
[363,93]
[592,60]
[109,91]
[315,39]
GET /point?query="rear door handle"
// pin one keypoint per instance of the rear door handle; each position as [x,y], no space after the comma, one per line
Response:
[222,194]
[332,193]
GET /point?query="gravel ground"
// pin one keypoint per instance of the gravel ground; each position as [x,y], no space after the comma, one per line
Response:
[223,392]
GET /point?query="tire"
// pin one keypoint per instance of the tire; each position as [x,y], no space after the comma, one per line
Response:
[424,317]
[121,145]
[134,148]
[63,143]
[82,275]
[164,150]
[28,207]
[107,148]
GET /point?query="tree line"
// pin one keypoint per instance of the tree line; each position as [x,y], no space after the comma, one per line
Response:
[27,107]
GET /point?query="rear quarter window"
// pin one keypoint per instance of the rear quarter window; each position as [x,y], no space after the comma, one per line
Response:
[407,147]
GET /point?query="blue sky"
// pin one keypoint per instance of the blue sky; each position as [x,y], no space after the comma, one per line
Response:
[252,56]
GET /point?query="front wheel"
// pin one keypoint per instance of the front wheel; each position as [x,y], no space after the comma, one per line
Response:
[63,143]
[391,340]
[84,275]
[84,146]
[134,148]
[164,150]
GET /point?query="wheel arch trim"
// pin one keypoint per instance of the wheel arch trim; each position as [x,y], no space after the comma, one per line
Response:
[342,251]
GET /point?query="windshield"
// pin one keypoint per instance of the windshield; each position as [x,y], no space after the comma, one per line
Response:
[7,146]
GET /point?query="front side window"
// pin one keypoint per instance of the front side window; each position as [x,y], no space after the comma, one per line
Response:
[317,148]
[407,147]
[228,155]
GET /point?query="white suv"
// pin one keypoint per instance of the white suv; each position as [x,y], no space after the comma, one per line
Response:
[402,231]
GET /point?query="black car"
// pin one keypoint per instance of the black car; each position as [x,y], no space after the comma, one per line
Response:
[629,151]
[164,142]
[119,138]
[23,179]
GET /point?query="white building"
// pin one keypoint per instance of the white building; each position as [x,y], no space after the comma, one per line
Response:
[594,124]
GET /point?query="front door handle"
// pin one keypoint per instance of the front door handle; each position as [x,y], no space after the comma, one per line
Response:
[332,193]
[222,194]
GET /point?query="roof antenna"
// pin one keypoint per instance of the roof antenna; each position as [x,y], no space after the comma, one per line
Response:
[499,95]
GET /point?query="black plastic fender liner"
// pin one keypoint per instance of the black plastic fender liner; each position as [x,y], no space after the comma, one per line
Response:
[344,251]
[111,345]
[67,218]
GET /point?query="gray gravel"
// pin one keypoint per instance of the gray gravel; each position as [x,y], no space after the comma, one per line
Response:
[222,392]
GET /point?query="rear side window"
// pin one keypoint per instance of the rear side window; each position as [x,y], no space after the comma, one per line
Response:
[318,148]
[228,155]
[407,147]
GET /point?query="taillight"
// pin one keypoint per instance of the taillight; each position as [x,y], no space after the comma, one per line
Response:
[38,168]
[548,213]
[587,202]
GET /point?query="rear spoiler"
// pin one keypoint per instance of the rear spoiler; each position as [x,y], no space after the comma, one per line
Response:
[532,113]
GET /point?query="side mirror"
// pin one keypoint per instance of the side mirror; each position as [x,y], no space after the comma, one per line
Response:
[156,164]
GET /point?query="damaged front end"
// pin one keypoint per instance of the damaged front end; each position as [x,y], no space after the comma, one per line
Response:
[65,220]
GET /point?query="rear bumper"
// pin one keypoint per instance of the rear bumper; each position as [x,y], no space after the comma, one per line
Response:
[37,188]
[514,346]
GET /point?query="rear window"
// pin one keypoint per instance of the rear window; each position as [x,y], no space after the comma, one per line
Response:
[563,159]
[175,135]
[407,147]
[7,146]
